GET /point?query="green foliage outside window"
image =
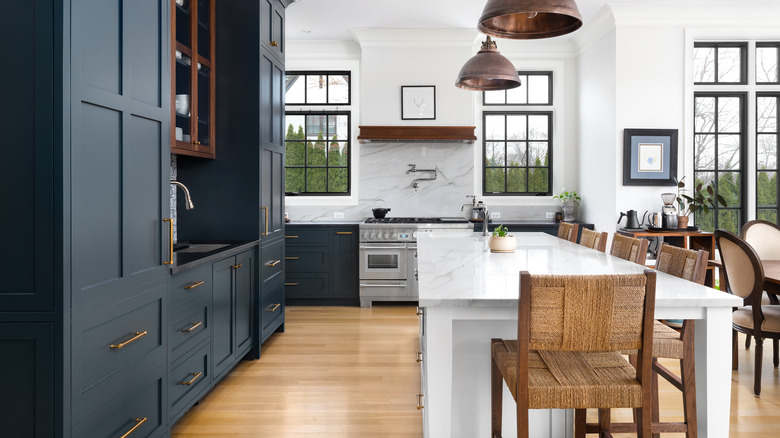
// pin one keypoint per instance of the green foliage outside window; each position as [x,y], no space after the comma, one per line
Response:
[315,167]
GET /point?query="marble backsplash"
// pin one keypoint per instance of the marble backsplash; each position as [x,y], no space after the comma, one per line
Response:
[384,176]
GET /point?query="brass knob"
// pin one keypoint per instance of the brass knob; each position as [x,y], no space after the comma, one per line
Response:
[274,44]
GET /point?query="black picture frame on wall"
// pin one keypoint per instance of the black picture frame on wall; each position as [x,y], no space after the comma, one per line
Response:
[649,157]
[418,102]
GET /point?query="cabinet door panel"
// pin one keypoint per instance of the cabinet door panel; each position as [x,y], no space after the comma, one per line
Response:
[345,262]
[222,340]
[145,63]
[277,30]
[98,33]
[245,291]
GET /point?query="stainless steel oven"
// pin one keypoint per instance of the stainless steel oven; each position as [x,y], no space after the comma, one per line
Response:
[383,261]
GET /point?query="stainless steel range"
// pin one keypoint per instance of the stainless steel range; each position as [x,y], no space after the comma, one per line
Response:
[388,255]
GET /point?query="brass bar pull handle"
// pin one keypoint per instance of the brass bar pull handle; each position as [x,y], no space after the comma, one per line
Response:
[194,284]
[274,44]
[236,266]
[273,263]
[265,210]
[419,357]
[138,423]
[420,401]
[291,284]
[292,258]
[192,327]
[138,335]
[275,306]
[419,311]
[170,244]
[343,232]
[290,237]
[195,376]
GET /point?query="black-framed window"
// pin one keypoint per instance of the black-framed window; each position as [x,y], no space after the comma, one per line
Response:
[767,56]
[536,88]
[719,156]
[720,63]
[317,160]
[767,106]
[517,153]
[318,88]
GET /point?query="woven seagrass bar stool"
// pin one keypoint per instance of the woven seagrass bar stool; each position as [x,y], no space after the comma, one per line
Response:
[568,231]
[571,329]
[594,239]
[668,343]
[633,249]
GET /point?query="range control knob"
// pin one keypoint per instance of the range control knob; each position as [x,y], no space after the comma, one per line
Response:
[394,236]
[365,235]
[387,235]
[371,235]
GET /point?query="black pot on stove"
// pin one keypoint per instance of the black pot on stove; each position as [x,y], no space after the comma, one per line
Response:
[380,213]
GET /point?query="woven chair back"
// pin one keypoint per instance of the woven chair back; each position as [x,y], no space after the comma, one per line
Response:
[587,312]
[744,273]
[568,231]
[764,237]
[593,239]
[687,264]
[633,249]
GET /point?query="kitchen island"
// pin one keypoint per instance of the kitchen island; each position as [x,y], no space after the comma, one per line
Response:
[468,295]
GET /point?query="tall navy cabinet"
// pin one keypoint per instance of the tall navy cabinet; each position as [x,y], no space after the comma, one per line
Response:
[87,114]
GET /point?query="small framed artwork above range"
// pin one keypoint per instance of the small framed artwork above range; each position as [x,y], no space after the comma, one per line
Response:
[649,157]
[418,102]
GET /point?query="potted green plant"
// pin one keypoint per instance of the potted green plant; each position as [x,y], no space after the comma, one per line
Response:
[698,200]
[569,202]
[501,240]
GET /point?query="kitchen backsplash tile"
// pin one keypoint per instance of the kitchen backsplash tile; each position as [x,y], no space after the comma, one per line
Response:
[174,173]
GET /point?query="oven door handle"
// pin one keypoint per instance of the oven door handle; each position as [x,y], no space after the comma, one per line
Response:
[381,247]
[383,285]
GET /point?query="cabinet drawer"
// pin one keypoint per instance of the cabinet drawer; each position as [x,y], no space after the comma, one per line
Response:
[188,380]
[272,310]
[190,286]
[138,406]
[106,343]
[299,236]
[310,259]
[187,332]
[271,261]
[306,286]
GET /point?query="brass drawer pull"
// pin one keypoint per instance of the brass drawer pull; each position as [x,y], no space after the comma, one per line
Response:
[138,423]
[343,232]
[138,335]
[265,211]
[236,266]
[291,284]
[420,401]
[192,327]
[194,284]
[290,237]
[292,258]
[419,357]
[273,263]
[275,306]
[195,376]
[274,44]
[170,247]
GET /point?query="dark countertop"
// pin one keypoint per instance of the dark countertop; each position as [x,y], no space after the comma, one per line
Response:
[183,261]
[344,223]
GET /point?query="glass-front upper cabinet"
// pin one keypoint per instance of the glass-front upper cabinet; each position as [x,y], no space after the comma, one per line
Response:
[193,82]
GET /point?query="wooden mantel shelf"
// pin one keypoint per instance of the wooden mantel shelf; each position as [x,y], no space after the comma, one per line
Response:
[419,134]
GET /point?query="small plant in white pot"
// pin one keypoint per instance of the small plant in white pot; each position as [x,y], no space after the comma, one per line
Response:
[501,241]
[569,201]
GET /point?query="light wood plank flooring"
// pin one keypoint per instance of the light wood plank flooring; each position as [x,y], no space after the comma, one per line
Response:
[351,372]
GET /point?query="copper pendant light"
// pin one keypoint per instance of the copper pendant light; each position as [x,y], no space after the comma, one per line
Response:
[529,19]
[488,70]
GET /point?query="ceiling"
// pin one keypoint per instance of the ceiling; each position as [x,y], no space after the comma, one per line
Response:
[332,19]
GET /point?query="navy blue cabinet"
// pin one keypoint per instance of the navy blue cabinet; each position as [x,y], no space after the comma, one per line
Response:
[231,331]
[272,306]
[322,263]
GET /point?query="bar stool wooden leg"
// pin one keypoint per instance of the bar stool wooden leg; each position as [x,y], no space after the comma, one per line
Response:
[655,408]
[734,357]
[579,422]
[688,377]
[496,397]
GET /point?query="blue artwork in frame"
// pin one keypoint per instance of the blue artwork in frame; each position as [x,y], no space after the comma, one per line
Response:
[649,157]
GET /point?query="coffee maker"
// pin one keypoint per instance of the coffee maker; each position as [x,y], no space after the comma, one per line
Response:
[668,211]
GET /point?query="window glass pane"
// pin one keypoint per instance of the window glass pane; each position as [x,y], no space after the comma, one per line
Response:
[315,153]
[315,180]
[766,64]
[495,97]
[516,154]
[768,215]
[728,114]
[728,152]
[704,114]
[295,149]
[338,155]
[338,127]
[704,64]
[704,152]
[295,89]
[729,63]
[316,88]
[538,180]
[316,127]
[766,116]
[538,89]
[515,127]
[767,152]
[494,154]
[766,189]
[337,180]
[704,178]
[728,220]
[494,128]
[729,188]
[538,151]
[519,95]
[537,127]
[294,180]
[515,180]
[338,89]
[494,180]
[705,220]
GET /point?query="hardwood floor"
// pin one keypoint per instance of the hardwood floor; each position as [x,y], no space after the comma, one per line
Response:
[351,372]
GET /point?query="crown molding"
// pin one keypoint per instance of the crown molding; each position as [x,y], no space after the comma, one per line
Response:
[414,38]
[593,30]
[307,50]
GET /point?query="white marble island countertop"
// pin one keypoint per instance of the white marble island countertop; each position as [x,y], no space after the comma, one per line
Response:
[458,269]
